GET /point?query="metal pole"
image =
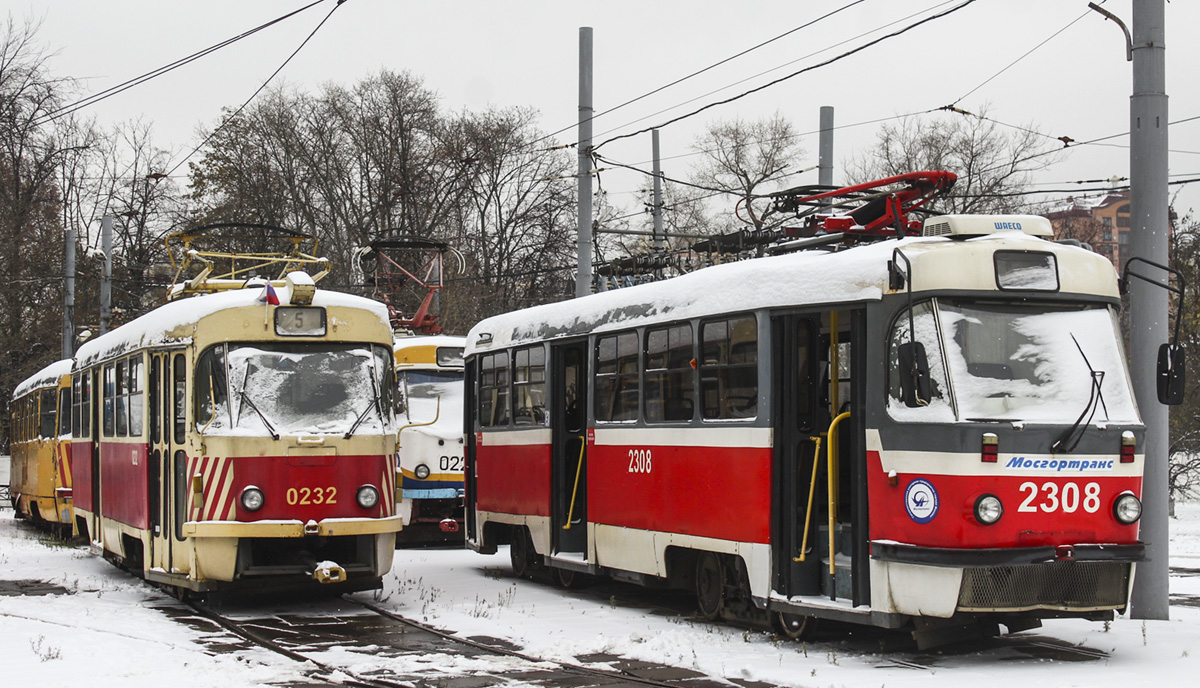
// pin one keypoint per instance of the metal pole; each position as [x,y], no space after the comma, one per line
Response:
[1147,303]
[106,280]
[68,333]
[657,200]
[825,148]
[583,274]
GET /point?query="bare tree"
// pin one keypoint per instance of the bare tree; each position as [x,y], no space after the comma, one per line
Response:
[993,164]
[747,159]
[1184,470]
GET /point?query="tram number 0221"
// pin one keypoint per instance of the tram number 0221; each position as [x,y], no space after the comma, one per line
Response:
[639,461]
[1068,498]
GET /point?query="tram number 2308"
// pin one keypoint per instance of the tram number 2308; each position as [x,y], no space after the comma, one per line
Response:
[1050,497]
[639,461]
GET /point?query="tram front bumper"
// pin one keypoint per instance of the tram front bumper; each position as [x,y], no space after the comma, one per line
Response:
[330,527]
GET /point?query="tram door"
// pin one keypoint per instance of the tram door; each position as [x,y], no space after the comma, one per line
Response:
[796,400]
[568,422]
[818,361]
[162,495]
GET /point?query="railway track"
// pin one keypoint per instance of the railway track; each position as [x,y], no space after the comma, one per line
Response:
[350,641]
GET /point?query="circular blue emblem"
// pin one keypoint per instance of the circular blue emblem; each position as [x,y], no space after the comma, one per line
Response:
[921,500]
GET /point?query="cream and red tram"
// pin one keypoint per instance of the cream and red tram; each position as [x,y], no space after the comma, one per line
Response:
[40,445]
[429,384]
[242,439]
[756,431]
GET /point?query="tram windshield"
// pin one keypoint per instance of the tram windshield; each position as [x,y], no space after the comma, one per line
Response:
[1012,362]
[294,388]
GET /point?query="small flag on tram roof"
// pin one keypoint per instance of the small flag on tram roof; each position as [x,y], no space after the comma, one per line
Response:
[269,295]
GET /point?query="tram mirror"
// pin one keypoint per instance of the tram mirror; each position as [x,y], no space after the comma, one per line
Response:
[1172,374]
[914,374]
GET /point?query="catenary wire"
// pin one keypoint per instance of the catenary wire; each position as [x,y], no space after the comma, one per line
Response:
[152,74]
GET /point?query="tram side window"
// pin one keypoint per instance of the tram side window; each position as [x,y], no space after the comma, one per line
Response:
[493,389]
[81,405]
[670,374]
[46,417]
[924,326]
[64,411]
[729,368]
[110,390]
[136,395]
[617,393]
[210,385]
[529,386]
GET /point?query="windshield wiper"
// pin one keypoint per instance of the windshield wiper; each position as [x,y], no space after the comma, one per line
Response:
[246,400]
[374,404]
[1070,439]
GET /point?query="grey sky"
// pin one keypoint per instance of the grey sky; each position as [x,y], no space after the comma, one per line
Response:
[477,53]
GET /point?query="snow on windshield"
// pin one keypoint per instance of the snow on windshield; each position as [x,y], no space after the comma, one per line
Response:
[433,394]
[295,389]
[1012,363]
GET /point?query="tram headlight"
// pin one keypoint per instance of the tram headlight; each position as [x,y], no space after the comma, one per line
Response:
[252,498]
[367,496]
[988,509]
[421,471]
[1128,508]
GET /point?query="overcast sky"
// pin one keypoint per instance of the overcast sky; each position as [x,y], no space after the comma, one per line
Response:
[480,53]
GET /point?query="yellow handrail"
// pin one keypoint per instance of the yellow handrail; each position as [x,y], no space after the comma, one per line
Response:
[832,466]
[812,486]
[575,490]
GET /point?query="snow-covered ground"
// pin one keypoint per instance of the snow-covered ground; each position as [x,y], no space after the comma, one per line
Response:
[108,629]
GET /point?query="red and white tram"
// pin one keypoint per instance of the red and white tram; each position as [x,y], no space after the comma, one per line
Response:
[929,432]
[242,439]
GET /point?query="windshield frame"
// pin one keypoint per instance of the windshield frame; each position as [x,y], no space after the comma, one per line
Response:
[221,406]
[1039,371]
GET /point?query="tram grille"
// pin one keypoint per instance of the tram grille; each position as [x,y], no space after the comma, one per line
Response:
[1064,585]
[936,229]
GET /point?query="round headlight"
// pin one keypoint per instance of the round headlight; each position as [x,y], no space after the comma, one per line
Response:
[988,509]
[252,498]
[1128,508]
[422,472]
[367,496]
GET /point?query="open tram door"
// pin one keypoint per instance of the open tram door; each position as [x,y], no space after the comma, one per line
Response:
[818,361]
[568,472]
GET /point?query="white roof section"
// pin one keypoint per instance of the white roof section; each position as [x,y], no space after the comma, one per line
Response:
[173,322]
[809,277]
[404,341]
[46,377]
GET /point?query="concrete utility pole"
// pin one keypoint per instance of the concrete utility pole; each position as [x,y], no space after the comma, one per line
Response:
[1148,303]
[106,279]
[825,148]
[583,274]
[68,333]
[657,199]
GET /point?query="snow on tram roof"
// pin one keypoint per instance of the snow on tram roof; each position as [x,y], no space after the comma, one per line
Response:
[171,322]
[46,377]
[807,277]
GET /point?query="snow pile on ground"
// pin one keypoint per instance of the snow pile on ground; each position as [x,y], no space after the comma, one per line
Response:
[107,629]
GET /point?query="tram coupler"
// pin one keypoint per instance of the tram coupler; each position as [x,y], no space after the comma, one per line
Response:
[448,525]
[329,572]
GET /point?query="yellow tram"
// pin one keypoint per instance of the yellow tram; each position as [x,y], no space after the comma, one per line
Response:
[40,478]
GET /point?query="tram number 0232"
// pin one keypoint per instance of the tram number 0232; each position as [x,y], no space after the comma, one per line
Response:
[311,495]
[639,461]
[1068,498]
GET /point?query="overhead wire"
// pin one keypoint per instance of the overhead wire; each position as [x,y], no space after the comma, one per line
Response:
[242,107]
[169,67]
[705,69]
[769,84]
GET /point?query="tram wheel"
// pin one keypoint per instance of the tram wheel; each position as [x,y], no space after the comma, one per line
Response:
[793,626]
[520,553]
[710,585]
[567,578]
